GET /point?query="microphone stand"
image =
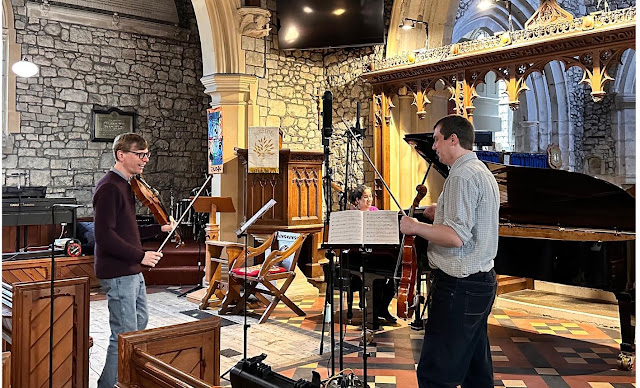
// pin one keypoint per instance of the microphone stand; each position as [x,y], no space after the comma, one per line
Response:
[329,254]
[351,135]
[364,153]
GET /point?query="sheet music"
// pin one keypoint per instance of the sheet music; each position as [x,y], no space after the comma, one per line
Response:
[345,227]
[381,227]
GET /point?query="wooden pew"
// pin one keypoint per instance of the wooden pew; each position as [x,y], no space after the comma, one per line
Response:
[184,355]
[6,369]
[25,327]
[34,270]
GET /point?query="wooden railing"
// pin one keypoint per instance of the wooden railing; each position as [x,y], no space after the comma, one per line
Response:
[34,270]
[185,355]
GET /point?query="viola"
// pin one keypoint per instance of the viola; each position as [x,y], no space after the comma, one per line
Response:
[151,199]
[409,261]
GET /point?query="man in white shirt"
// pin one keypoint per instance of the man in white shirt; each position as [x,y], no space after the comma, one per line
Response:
[463,241]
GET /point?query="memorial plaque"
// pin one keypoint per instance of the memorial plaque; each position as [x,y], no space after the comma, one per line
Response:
[107,124]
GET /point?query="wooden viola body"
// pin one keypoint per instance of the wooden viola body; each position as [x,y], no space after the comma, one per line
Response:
[409,272]
[150,198]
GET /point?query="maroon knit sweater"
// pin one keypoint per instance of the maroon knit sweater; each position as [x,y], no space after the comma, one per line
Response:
[118,250]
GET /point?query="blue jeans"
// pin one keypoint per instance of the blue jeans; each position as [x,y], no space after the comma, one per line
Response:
[127,300]
[455,350]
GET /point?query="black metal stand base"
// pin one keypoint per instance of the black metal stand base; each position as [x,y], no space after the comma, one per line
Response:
[196,288]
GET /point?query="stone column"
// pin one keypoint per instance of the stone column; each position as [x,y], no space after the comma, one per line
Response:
[624,121]
[526,136]
[236,94]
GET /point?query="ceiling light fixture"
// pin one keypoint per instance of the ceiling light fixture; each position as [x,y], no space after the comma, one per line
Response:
[25,68]
[486,4]
[408,24]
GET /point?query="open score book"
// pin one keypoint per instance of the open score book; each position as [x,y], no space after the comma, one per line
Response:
[364,228]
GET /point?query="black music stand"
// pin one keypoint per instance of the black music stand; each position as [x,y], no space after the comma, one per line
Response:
[363,293]
[242,232]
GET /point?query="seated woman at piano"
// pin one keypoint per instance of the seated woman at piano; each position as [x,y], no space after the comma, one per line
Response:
[383,289]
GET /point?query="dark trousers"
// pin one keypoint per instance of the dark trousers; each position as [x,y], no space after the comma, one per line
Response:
[456,349]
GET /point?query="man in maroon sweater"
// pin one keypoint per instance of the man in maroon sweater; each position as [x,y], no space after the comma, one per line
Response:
[118,255]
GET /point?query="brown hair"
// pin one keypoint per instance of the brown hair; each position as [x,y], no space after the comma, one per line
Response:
[460,126]
[357,193]
[126,141]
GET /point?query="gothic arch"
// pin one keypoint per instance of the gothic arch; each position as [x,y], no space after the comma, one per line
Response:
[439,15]
[623,118]
[219,36]
[543,116]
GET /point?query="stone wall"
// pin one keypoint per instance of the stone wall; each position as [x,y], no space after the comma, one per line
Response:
[84,68]
[594,142]
[290,84]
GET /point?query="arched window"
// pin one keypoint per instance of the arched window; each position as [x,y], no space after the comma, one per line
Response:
[492,104]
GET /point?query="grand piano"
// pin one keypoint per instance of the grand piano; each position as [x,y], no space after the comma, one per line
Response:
[563,227]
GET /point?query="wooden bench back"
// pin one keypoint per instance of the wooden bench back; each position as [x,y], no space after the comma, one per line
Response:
[29,333]
[185,355]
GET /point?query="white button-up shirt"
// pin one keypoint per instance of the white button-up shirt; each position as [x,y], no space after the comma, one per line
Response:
[469,204]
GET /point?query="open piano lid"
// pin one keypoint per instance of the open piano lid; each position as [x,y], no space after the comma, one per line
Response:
[557,198]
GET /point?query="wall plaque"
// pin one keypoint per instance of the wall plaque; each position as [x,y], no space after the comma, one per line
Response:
[107,124]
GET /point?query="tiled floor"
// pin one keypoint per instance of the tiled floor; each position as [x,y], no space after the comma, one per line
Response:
[528,351]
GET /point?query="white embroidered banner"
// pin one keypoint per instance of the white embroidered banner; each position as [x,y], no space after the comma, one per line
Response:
[263,150]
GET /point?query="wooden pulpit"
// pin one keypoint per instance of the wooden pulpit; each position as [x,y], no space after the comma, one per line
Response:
[297,188]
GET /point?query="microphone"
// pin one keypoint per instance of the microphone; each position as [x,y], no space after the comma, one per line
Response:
[358,131]
[327,129]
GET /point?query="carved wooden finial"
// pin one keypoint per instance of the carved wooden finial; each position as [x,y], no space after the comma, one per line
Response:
[549,12]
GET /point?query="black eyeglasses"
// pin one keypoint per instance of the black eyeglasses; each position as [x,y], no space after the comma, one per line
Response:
[140,154]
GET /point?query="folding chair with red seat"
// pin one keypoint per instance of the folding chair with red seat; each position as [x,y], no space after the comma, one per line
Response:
[262,279]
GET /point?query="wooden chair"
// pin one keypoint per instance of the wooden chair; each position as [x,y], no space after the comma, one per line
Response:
[223,256]
[264,276]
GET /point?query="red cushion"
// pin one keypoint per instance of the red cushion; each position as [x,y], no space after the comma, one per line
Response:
[254,270]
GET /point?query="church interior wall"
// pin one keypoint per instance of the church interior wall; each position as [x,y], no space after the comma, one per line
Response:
[84,68]
[291,82]
[556,108]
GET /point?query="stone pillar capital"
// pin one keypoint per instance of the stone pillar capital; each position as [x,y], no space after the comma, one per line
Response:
[625,101]
[229,89]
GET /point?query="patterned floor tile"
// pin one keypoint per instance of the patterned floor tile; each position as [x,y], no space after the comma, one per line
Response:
[527,351]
